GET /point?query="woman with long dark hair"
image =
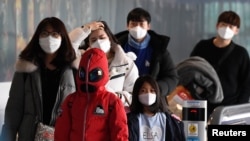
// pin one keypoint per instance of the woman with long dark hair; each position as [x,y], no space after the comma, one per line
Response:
[43,78]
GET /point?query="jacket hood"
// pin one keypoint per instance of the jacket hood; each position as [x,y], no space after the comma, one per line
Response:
[28,66]
[93,70]
[25,66]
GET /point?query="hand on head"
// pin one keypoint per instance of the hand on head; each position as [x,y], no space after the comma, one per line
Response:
[95,25]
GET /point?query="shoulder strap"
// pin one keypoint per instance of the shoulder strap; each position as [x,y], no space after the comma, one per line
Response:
[176,128]
[111,102]
[25,75]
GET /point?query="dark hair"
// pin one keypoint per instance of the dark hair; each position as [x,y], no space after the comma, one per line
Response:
[138,14]
[229,17]
[136,105]
[107,30]
[65,54]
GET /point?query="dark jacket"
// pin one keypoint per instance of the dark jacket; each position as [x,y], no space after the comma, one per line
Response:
[24,107]
[162,67]
[174,128]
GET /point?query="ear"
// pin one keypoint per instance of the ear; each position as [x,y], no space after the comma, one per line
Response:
[127,25]
[149,26]
[236,31]
[217,26]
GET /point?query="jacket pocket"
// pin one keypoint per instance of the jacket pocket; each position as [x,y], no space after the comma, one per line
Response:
[28,127]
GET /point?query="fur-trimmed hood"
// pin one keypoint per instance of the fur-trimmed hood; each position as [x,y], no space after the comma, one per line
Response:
[28,66]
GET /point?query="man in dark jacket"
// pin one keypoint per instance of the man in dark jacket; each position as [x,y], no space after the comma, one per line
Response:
[230,60]
[150,48]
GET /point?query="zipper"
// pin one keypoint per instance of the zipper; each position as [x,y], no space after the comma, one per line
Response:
[57,102]
[116,76]
[88,98]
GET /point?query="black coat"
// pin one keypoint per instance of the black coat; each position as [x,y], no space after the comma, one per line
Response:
[162,67]
[174,132]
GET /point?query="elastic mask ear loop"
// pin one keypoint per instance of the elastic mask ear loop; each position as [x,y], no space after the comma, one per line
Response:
[87,72]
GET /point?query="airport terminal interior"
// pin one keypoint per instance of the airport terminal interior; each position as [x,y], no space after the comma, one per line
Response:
[184,21]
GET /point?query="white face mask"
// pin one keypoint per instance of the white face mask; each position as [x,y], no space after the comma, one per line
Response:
[103,44]
[50,44]
[138,32]
[225,33]
[147,99]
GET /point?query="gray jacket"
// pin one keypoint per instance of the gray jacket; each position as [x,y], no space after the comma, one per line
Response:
[24,107]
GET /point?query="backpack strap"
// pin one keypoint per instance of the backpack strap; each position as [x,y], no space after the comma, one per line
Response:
[111,102]
[176,128]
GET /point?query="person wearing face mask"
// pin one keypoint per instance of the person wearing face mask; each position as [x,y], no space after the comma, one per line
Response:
[44,76]
[122,69]
[148,118]
[153,57]
[92,113]
[230,60]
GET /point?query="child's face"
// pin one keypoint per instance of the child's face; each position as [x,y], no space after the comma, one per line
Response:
[147,95]
[146,88]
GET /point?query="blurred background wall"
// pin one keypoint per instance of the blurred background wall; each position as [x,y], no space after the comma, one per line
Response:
[185,21]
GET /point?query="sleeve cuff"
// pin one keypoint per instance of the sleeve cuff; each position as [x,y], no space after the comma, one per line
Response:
[86,29]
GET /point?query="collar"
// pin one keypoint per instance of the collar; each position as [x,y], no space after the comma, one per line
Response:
[140,45]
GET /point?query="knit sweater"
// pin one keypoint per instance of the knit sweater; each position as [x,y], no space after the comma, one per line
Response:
[233,72]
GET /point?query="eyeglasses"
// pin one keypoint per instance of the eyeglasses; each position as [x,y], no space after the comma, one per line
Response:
[46,34]
[94,75]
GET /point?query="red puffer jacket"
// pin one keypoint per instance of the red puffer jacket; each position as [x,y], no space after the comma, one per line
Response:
[92,115]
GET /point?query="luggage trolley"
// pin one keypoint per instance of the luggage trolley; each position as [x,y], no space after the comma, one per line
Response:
[231,115]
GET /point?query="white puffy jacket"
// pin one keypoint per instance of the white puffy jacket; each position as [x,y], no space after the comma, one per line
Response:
[122,69]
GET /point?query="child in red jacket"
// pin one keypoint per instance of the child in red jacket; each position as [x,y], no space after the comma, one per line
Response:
[92,113]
